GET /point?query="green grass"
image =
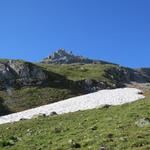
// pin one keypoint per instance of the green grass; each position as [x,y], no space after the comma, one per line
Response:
[113,128]
[77,72]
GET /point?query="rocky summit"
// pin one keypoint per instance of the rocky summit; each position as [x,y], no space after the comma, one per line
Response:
[61,56]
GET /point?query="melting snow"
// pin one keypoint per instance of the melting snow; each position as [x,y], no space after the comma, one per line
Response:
[89,101]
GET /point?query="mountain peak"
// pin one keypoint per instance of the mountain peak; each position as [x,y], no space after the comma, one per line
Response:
[60,53]
[62,56]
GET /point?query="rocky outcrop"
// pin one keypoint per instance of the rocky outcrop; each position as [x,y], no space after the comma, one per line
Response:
[61,56]
[14,72]
[91,85]
[142,75]
[118,75]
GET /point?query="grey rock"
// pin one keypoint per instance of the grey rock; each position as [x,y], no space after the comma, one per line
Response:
[53,113]
[23,119]
[6,73]
[27,70]
[143,122]
[105,106]
[23,73]
[38,115]
[74,144]
[103,148]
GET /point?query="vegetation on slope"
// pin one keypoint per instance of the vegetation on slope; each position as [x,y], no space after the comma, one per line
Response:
[63,82]
[123,127]
[113,75]
[30,97]
[77,72]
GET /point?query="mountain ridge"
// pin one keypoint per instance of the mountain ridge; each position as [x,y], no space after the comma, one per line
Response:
[61,56]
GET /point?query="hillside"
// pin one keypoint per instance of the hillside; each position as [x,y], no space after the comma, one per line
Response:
[123,127]
[26,85]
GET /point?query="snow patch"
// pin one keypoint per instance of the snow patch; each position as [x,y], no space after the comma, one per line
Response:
[89,101]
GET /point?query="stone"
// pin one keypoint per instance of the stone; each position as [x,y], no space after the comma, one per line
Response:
[53,113]
[74,144]
[39,115]
[23,119]
[103,148]
[143,122]
[94,127]
[105,106]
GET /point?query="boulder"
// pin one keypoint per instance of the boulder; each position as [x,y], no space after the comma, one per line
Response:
[38,115]
[143,122]
[53,113]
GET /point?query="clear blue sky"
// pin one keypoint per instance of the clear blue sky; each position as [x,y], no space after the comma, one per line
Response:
[114,30]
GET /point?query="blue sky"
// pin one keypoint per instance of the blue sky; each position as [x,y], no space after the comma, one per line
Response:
[114,30]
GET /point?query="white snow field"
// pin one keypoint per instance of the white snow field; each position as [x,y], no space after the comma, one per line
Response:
[89,101]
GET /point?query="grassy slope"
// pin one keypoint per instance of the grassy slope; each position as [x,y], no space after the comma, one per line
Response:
[29,97]
[112,127]
[80,71]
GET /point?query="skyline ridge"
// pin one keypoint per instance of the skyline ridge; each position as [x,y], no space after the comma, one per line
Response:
[73,54]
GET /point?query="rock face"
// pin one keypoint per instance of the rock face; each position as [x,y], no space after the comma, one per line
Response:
[90,85]
[118,74]
[61,56]
[18,72]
